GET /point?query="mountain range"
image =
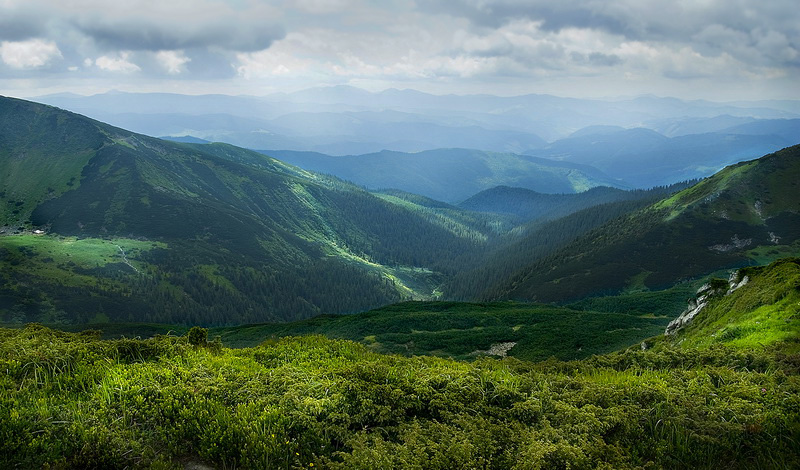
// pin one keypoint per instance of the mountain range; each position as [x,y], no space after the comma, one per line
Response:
[195,233]
[349,121]
[748,213]
[571,352]
[102,224]
[452,175]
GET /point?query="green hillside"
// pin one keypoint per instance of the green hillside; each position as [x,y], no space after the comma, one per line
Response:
[141,229]
[763,312]
[746,214]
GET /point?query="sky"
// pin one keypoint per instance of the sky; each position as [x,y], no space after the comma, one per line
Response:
[721,50]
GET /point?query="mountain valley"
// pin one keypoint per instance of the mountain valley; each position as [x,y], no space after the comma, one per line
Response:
[182,304]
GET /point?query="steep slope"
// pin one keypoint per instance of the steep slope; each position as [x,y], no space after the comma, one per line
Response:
[180,233]
[757,307]
[451,175]
[748,213]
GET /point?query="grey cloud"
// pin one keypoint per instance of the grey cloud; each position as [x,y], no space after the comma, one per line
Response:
[596,59]
[153,36]
[18,26]
[553,15]
[174,25]
[771,28]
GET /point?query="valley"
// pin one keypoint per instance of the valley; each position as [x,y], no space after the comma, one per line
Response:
[413,235]
[230,308]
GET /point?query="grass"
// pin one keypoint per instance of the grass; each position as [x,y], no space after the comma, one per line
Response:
[70,400]
[65,260]
[764,311]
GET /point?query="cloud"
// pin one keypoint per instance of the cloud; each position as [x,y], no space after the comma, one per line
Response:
[30,54]
[119,64]
[173,61]
[149,25]
[756,32]
[324,7]
[433,44]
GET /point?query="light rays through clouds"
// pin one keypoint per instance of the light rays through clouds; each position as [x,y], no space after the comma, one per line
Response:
[720,49]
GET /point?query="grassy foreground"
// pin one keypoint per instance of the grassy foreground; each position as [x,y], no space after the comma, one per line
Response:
[70,400]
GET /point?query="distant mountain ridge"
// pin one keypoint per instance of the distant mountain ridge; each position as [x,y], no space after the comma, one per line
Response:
[452,175]
[345,120]
[644,158]
[530,205]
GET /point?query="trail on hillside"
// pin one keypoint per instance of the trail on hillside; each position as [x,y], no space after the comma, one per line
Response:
[125,259]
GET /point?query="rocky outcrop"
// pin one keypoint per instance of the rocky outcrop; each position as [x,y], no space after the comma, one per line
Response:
[497,349]
[709,290]
[735,244]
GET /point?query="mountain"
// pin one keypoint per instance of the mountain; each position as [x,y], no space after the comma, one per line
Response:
[788,129]
[529,205]
[347,121]
[451,175]
[186,139]
[142,229]
[674,127]
[643,158]
[747,213]
[539,238]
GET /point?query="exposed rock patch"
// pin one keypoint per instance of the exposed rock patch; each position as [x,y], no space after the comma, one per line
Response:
[497,349]
[704,294]
[735,244]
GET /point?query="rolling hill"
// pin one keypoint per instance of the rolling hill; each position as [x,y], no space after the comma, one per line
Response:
[748,213]
[141,229]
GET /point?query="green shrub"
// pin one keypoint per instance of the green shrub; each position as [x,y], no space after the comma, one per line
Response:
[197,336]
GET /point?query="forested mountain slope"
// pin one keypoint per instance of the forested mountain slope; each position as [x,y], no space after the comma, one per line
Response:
[141,229]
[746,214]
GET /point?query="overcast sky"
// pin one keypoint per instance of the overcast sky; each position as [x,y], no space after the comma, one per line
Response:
[713,49]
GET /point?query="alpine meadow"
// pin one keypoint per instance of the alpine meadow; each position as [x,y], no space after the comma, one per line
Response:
[352,234]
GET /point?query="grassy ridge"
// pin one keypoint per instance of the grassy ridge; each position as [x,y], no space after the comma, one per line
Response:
[764,311]
[240,237]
